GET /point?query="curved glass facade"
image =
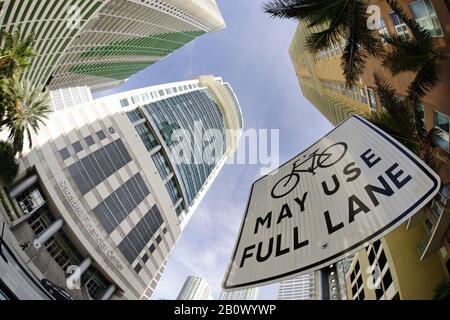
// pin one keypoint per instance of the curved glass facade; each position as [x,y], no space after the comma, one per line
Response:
[193,112]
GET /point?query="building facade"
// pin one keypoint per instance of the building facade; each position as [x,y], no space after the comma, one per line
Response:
[102,43]
[298,288]
[195,288]
[100,192]
[418,249]
[325,284]
[240,295]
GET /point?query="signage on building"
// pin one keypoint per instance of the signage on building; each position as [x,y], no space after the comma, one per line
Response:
[88,224]
[347,190]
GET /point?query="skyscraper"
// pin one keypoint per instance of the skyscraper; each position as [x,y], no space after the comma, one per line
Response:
[425,246]
[313,75]
[298,288]
[101,192]
[195,288]
[325,284]
[102,43]
[247,294]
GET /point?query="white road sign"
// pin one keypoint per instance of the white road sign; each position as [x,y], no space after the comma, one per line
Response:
[349,189]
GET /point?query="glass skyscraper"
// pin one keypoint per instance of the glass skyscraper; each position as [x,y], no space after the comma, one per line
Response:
[190,108]
[101,43]
[247,294]
[195,288]
[101,191]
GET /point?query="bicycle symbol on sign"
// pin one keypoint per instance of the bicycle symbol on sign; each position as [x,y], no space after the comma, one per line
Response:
[325,159]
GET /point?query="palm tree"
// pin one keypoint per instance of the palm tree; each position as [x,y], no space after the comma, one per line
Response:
[341,19]
[418,55]
[16,54]
[27,108]
[8,164]
[399,119]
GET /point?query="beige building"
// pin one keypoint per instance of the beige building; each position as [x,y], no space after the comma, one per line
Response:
[415,257]
[100,195]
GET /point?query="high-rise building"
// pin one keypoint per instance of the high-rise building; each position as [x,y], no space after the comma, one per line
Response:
[247,294]
[101,191]
[195,288]
[298,288]
[417,253]
[69,97]
[101,43]
[325,284]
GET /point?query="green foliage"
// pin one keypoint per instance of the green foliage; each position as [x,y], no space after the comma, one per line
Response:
[8,164]
[23,108]
[345,19]
[16,54]
[418,55]
[27,109]
[400,118]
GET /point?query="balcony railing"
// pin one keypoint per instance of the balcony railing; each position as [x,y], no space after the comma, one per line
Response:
[439,218]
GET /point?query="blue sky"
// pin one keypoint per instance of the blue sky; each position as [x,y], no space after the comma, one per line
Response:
[252,55]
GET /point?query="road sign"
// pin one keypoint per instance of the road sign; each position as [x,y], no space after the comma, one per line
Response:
[349,189]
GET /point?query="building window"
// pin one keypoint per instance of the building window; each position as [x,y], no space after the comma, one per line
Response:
[173,190]
[382,261]
[372,99]
[387,280]
[382,29]
[89,140]
[379,293]
[355,93]
[96,284]
[139,237]
[64,153]
[426,17]
[59,246]
[135,100]
[77,147]
[124,103]
[376,245]
[162,164]
[400,26]
[343,90]
[138,268]
[31,200]
[441,121]
[147,137]
[421,110]
[372,257]
[349,92]
[135,115]
[363,95]
[101,135]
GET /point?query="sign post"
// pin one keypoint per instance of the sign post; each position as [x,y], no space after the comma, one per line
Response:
[349,189]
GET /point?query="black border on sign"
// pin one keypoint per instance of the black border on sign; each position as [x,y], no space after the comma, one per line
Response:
[418,203]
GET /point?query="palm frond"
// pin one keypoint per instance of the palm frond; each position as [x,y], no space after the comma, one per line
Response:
[303,9]
[425,81]
[406,55]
